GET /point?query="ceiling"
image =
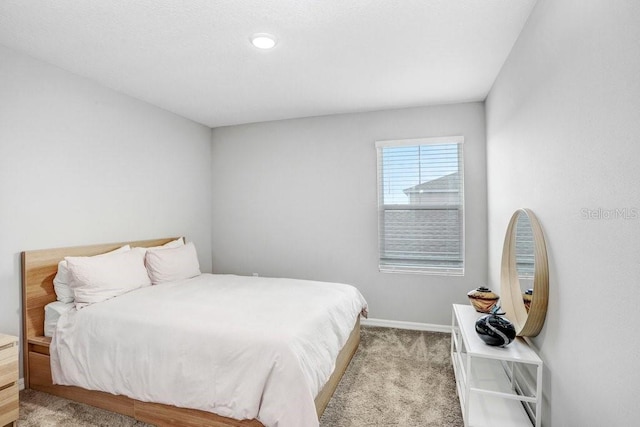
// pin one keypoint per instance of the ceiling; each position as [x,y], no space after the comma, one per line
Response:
[193,57]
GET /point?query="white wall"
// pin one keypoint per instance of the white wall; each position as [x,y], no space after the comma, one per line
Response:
[298,198]
[82,164]
[563,135]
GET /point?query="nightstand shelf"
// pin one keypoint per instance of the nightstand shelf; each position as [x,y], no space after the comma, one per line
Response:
[496,386]
[8,380]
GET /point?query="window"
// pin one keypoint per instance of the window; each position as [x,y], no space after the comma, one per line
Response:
[420,205]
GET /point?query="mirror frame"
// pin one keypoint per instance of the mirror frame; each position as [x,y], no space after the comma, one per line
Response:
[526,324]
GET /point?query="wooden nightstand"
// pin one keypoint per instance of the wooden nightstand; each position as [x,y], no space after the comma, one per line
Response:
[8,380]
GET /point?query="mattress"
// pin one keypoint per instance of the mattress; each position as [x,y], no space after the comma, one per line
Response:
[52,313]
[240,347]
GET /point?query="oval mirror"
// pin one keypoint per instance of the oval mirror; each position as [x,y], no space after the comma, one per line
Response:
[524,279]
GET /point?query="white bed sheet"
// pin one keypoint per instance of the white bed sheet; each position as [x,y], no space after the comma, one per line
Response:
[241,347]
[52,313]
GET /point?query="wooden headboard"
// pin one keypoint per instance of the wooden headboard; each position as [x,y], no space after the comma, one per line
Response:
[38,270]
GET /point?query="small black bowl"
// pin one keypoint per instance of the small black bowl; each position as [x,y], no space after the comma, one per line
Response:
[495,330]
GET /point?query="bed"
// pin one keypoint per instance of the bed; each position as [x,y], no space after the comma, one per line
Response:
[39,268]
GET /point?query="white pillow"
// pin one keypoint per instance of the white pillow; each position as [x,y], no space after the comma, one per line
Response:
[64,293]
[96,279]
[172,244]
[52,313]
[168,265]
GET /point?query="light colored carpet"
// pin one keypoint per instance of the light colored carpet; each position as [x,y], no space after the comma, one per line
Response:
[397,378]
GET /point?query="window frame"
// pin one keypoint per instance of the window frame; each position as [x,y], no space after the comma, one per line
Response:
[419,269]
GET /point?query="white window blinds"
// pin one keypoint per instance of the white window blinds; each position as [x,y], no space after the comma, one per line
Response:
[420,205]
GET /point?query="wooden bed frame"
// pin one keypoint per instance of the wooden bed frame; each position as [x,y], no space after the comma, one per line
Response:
[38,270]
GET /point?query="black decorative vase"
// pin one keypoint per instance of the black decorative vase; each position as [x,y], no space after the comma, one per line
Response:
[495,330]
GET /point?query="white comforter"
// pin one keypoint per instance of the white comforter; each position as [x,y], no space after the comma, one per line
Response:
[241,347]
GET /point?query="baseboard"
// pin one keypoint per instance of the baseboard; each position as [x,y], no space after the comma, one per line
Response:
[21,384]
[415,326]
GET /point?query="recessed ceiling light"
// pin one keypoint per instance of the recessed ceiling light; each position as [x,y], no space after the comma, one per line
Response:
[263,40]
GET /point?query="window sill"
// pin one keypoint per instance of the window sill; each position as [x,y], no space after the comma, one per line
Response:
[427,272]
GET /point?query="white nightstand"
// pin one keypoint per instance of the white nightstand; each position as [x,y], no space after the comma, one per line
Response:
[8,380]
[497,387]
